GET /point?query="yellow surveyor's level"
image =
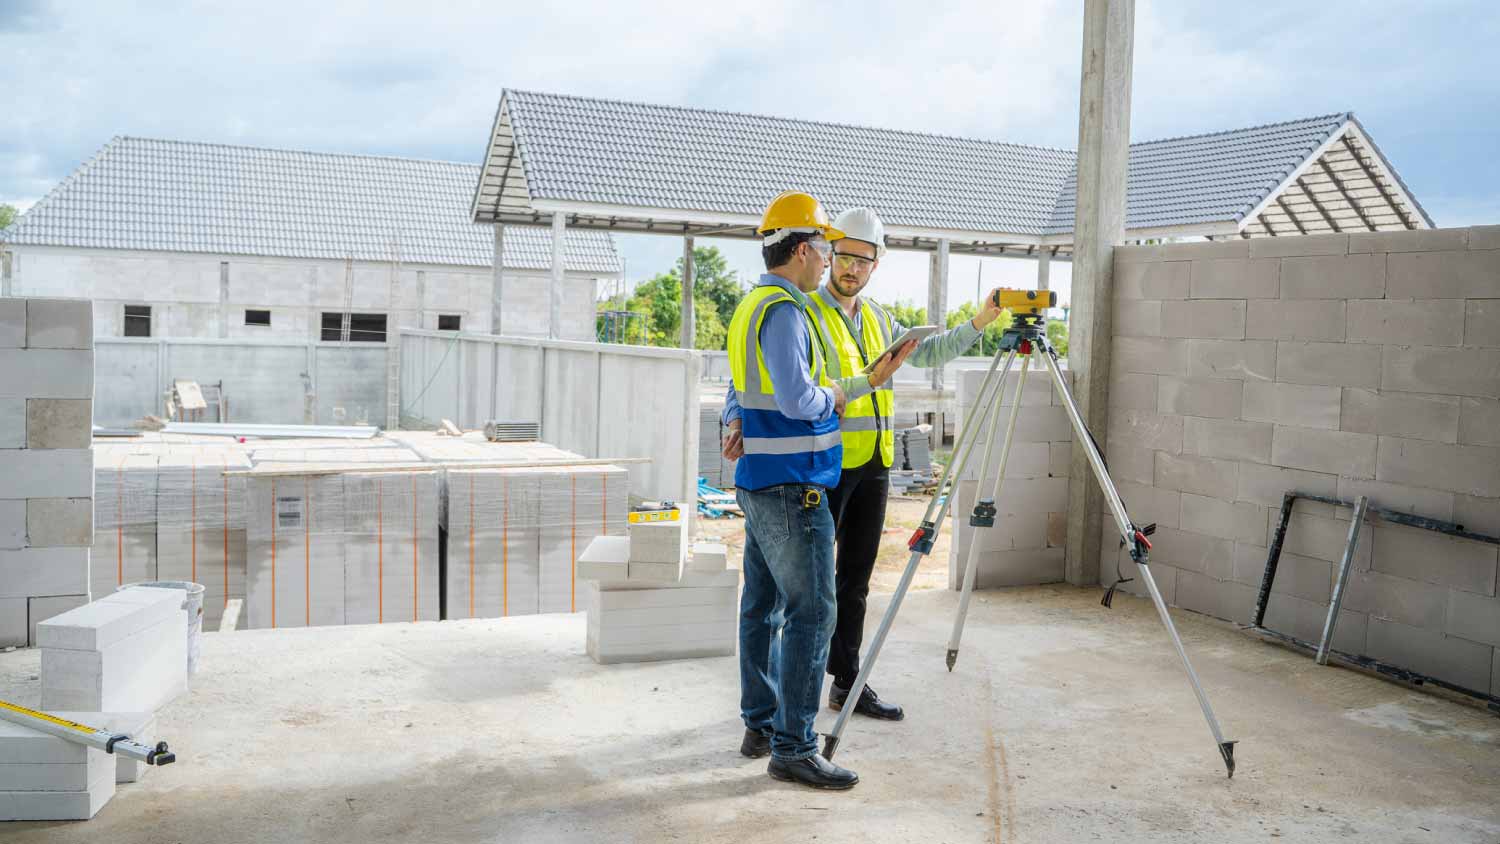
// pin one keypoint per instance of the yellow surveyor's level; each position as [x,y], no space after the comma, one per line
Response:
[1025,300]
[645,516]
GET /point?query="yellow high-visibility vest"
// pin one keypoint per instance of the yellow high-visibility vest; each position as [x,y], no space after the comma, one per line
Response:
[866,421]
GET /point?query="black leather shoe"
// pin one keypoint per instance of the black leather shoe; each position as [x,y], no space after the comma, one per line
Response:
[813,771]
[755,745]
[869,703]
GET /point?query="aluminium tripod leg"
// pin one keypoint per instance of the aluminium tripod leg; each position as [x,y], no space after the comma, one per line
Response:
[984,508]
[1139,549]
[922,541]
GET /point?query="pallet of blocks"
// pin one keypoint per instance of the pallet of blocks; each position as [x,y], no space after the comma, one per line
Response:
[636,613]
[200,522]
[342,547]
[513,535]
[124,518]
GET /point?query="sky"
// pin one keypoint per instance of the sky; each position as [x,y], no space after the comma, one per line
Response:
[423,80]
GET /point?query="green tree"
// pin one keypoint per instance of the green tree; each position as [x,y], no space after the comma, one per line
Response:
[908,314]
[8,214]
[713,280]
[1057,332]
[659,302]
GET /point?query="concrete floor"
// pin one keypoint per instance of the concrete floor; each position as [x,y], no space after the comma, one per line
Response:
[1063,722]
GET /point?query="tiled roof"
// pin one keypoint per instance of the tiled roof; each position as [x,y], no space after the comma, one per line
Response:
[631,154]
[177,196]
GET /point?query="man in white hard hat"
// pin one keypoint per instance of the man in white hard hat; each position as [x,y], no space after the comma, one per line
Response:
[855,330]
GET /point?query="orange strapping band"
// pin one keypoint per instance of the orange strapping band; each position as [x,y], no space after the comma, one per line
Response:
[379,553]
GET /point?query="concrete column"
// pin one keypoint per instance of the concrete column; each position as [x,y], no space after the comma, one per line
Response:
[498,278]
[7,260]
[688,329]
[1043,269]
[937,312]
[1103,153]
[559,274]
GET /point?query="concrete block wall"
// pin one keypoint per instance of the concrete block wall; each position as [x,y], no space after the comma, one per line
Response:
[46,467]
[1352,364]
[205,295]
[1025,546]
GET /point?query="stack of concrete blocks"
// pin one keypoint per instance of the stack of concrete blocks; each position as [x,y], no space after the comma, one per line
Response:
[513,535]
[391,547]
[1025,545]
[46,467]
[46,778]
[1340,365]
[140,726]
[200,520]
[124,517]
[344,547]
[637,614]
[126,652]
[294,551]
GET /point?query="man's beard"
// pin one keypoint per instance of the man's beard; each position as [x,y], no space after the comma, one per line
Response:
[848,289]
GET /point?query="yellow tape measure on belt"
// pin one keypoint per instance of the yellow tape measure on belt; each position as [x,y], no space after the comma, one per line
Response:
[640,517]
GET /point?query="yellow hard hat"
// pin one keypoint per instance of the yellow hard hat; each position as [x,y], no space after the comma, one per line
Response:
[797,211]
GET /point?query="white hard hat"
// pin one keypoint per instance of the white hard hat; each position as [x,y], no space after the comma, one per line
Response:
[862,224]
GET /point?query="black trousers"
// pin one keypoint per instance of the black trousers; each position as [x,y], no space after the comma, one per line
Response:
[858,507]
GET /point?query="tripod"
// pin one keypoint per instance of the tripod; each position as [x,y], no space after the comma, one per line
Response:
[1026,339]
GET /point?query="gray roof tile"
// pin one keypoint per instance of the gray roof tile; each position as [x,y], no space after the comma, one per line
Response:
[634,154]
[177,196]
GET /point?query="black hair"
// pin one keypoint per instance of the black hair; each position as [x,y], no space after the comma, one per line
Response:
[781,252]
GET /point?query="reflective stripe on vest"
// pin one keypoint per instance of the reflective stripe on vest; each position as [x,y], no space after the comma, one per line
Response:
[866,421]
[778,449]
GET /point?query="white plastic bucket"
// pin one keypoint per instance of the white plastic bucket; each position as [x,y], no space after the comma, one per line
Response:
[193,603]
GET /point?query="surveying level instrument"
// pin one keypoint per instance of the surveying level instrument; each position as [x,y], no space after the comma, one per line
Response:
[1026,338]
[89,736]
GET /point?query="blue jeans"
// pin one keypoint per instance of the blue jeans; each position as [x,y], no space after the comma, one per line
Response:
[787,613]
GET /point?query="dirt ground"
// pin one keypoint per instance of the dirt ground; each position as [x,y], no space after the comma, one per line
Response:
[902,515]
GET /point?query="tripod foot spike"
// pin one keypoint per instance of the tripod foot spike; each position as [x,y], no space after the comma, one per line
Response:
[1226,749]
[952,658]
[831,743]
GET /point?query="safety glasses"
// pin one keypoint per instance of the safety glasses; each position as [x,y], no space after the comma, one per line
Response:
[857,263]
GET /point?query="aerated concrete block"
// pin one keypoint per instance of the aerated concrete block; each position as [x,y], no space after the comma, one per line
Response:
[1302,405]
[709,557]
[1431,557]
[1242,359]
[1432,369]
[1288,247]
[391,548]
[1482,323]
[1323,538]
[1156,280]
[1201,475]
[606,558]
[1473,274]
[1420,322]
[1227,439]
[1334,452]
[1131,391]
[1211,319]
[1409,602]
[12,323]
[1149,505]
[1267,484]
[1010,568]
[1330,364]
[1479,422]
[28,572]
[1432,503]
[52,522]
[1419,240]
[59,423]
[1207,397]
[1235,278]
[657,542]
[1334,277]
[140,672]
[59,324]
[1415,415]
[48,473]
[12,422]
[46,373]
[1133,318]
[1270,319]
[1449,658]
[13,628]
[1465,469]
[101,624]
[1191,551]
[1150,355]
[1240,520]
[1477,513]
[1146,430]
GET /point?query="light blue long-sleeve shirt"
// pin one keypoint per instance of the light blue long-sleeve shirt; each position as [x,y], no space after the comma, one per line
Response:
[784,342]
[930,352]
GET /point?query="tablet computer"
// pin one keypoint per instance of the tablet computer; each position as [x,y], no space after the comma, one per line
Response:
[918,333]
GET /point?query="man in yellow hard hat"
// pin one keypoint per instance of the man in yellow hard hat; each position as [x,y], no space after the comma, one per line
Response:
[783,410]
[854,329]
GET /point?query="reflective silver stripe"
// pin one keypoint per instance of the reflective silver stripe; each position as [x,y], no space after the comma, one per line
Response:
[752,340]
[865,423]
[792,445]
[831,360]
[758,401]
